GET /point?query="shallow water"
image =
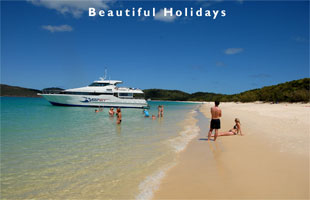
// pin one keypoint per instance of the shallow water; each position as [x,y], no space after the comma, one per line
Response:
[73,152]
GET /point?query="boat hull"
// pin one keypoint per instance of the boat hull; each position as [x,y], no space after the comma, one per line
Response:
[94,101]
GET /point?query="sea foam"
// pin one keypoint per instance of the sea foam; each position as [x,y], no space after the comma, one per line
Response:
[152,182]
[178,144]
[189,132]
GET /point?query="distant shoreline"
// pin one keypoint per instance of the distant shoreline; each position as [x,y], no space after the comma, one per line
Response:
[180,101]
[290,92]
[197,102]
[22,96]
[204,102]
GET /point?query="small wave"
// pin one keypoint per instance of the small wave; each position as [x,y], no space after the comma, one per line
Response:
[179,143]
[189,132]
[193,112]
[151,183]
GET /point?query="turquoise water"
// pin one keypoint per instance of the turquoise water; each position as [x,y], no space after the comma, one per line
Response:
[73,152]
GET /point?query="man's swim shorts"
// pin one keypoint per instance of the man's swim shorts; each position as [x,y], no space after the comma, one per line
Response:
[215,124]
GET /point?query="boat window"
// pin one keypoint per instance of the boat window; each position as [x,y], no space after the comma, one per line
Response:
[86,93]
[99,84]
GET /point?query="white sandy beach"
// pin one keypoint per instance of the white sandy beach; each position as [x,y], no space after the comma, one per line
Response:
[270,162]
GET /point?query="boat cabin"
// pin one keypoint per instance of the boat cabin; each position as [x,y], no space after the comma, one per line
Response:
[102,83]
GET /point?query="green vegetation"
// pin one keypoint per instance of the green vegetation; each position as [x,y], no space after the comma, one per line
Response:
[292,91]
[7,90]
[172,95]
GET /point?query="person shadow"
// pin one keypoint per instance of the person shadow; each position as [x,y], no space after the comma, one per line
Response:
[205,139]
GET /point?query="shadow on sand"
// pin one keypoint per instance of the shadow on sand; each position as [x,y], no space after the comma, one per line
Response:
[206,139]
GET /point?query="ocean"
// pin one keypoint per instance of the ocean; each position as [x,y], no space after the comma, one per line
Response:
[51,152]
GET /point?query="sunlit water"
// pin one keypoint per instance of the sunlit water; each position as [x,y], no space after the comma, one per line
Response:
[73,152]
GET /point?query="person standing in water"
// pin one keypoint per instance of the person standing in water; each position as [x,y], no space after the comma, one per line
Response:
[111,112]
[119,116]
[162,111]
[146,113]
[159,110]
[215,123]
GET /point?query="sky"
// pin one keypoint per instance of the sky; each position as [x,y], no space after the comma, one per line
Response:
[56,44]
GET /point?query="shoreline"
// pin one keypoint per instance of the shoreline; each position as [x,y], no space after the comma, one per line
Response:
[205,102]
[177,144]
[270,161]
[179,101]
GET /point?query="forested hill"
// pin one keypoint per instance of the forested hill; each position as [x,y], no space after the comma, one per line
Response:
[160,94]
[292,91]
[7,90]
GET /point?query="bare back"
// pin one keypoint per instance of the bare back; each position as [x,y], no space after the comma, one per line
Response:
[216,112]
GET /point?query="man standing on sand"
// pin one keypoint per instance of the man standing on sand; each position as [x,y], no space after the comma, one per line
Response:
[216,113]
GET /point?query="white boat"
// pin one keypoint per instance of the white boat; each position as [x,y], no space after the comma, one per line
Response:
[101,93]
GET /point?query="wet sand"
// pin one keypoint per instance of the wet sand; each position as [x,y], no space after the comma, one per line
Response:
[270,162]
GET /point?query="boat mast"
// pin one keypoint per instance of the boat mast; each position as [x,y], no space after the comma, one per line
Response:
[105,74]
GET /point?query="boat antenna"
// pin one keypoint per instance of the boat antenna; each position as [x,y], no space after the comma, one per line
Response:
[105,74]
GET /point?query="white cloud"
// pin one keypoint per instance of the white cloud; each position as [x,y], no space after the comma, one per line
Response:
[73,7]
[161,17]
[231,51]
[61,28]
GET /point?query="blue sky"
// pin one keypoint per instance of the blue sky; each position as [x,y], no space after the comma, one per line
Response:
[56,44]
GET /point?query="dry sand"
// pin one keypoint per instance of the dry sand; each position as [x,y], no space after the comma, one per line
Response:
[270,162]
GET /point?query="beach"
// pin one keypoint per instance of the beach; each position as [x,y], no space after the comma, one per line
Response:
[271,160]
[84,154]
